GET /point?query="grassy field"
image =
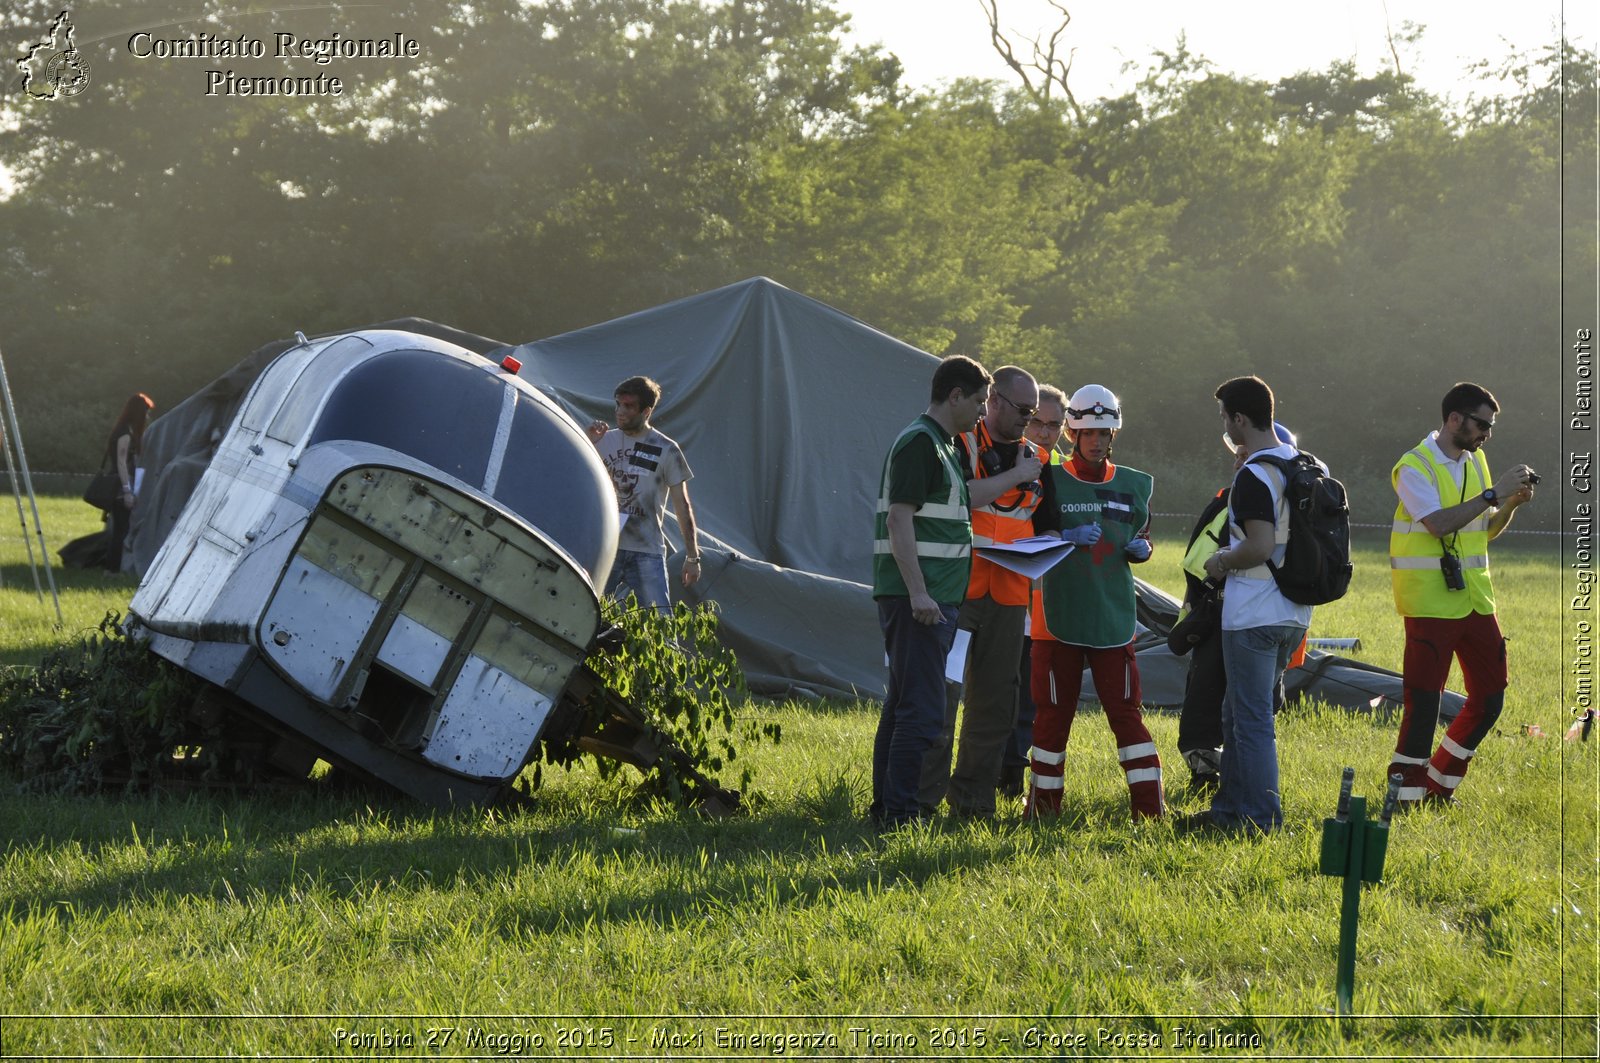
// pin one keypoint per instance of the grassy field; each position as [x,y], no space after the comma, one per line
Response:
[598,924]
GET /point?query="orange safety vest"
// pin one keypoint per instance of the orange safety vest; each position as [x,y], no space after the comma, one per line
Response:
[1005,520]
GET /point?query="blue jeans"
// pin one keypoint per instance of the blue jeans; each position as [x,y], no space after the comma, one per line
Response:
[1254,659]
[913,710]
[644,574]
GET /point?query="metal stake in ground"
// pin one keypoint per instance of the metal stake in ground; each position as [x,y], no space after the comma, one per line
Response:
[1354,849]
[13,437]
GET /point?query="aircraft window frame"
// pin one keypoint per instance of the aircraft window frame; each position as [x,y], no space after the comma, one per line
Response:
[294,419]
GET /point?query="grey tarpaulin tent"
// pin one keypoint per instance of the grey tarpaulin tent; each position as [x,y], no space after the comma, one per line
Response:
[784,407]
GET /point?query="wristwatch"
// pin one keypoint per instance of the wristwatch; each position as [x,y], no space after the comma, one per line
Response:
[1490,497]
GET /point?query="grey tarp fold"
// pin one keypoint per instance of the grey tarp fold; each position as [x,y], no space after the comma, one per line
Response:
[785,408]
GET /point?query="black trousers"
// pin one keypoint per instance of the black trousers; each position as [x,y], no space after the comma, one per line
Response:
[1200,722]
[116,535]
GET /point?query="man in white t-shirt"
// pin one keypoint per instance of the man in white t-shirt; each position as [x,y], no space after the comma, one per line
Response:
[1260,627]
[646,468]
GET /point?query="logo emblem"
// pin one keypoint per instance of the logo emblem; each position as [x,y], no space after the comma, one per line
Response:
[54,67]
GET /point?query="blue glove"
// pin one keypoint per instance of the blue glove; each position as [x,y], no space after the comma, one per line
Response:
[1138,549]
[1082,535]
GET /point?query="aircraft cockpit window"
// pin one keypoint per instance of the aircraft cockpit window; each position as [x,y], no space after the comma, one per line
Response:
[305,395]
[545,479]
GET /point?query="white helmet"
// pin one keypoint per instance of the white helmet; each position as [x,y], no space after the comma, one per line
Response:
[1093,406]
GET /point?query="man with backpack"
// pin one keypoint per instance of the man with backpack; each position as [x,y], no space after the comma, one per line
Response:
[1276,487]
[1448,511]
[1200,719]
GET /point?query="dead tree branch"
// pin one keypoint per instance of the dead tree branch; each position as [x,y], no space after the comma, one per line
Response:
[1046,71]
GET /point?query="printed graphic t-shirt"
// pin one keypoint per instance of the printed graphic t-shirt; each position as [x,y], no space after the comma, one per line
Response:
[642,470]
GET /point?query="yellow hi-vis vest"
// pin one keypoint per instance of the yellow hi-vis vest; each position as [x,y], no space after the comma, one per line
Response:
[1207,541]
[1414,551]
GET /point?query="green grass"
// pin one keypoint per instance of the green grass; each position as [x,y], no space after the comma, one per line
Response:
[197,925]
[28,625]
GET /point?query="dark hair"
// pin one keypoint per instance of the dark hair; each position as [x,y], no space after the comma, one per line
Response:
[1466,397]
[647,391]
[132,418]
[958,371]
[1250,396]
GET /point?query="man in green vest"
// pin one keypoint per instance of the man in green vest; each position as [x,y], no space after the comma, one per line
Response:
[1439,563]
[922,557]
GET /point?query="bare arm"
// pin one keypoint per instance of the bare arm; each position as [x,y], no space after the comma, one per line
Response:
[1502,517]
[679,493]
[903,545]
[1257,546]
[1509,488]
[983,490]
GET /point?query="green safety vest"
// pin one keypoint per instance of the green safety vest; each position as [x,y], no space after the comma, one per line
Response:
[1414,551]
[1088,598]
[942,525]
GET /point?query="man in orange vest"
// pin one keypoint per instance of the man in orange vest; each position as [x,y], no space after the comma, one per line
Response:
[1006,491]
[1045,429]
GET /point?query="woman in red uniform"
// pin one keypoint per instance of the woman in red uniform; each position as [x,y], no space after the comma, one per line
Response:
[1085,615]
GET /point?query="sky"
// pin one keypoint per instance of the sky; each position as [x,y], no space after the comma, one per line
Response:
[939,40]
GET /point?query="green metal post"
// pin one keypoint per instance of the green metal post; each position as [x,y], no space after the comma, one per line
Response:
[1350,912]
[1354,849]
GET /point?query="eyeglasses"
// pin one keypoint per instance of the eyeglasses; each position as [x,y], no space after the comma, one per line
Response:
[1026,411]
[1483,425]
[1054,426]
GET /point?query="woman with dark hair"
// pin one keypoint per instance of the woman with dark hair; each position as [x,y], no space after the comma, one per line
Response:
[123,446]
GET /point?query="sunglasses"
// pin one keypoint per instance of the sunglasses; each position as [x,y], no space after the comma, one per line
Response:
[1483,425]
[1026,411]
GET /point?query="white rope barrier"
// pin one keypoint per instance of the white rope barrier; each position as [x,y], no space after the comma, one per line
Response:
[1353,524]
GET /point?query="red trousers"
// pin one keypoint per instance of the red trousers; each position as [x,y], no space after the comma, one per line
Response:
[1056,682]
[1431,644]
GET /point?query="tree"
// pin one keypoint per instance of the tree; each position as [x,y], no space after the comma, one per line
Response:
[1046,72]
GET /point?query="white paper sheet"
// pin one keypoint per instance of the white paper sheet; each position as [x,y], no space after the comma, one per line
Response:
[955,665]
[1032,557]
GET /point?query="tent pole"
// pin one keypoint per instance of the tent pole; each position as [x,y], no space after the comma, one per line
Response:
[14,437]
[22,518]
[16,493]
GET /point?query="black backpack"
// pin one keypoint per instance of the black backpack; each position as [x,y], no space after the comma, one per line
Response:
[1316,563]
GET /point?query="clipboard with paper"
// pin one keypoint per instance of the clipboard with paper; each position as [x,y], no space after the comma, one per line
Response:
[1031,557]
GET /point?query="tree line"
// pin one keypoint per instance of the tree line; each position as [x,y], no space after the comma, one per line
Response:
[541,166]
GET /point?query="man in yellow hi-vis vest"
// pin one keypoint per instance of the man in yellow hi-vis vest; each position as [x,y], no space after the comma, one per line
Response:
[1439,562]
